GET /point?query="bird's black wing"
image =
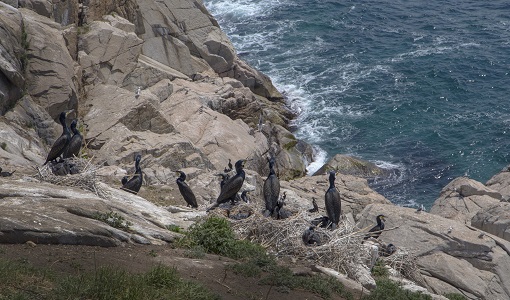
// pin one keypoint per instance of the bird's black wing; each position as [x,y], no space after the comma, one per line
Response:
[230,188]
[58,147]
[271,191]
[73,149]
[134,184]
[187,194]
[333,206]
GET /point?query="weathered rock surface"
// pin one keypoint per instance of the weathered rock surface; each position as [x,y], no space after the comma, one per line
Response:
[352,166]
[501,183]
[494,220]
[452,257]
[49,214]
[12,56]
[50,68]
[354,192]
[462,198]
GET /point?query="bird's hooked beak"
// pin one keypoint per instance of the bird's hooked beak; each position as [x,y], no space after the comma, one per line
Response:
[383,218]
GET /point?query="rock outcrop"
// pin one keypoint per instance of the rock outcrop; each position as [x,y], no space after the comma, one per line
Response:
[452,257]
[49,214]
[352,166]
[463,198]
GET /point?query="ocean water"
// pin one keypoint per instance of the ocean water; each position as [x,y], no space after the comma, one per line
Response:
[418,87]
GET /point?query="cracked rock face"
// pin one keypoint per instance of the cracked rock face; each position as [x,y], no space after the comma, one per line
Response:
[463,198]
[452,257]
[49,214]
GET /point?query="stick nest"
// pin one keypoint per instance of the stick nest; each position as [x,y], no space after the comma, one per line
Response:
[86,179]
[340,249]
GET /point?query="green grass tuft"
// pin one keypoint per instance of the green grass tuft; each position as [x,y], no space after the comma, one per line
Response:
[455,296]
[389,290]
[113,219]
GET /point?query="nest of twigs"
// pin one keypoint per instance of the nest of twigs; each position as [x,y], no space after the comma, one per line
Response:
[404,263]
[339,249]
[85,178]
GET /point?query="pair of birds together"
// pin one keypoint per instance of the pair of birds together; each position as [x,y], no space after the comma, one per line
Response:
[66,145]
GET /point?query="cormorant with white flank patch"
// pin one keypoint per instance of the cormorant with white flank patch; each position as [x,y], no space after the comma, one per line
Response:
[315,206]
[6,174]
[271,189]
[61,143]
[231,186]
[74,146]
[135,183]
[185,190]
[332,200]
[376,231]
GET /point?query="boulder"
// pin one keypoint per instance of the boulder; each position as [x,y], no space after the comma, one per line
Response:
[50,214]
[494,219]
[50,69]
[462,198]
[354,192]
[42,7]
[110,53]
[451,257]
[13,57]
[352,166]
[501,183]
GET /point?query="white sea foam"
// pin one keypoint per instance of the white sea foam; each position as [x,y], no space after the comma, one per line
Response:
[319,157]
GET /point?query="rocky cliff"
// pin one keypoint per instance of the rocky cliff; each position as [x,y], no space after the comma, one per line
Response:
[161,79]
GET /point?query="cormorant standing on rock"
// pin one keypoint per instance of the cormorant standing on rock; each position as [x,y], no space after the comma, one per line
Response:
[74,146]
[231,186]
[271,189]
[315,206]
[375,232]
[135,183]
[332,200]
[185,190]
[61,143]
[6,174]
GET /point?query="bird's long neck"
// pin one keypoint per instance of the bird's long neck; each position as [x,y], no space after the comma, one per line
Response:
[379,221]
[331,182]
[138,170]
[65,129]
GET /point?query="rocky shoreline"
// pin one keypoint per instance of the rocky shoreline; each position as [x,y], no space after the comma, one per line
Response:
[199,106]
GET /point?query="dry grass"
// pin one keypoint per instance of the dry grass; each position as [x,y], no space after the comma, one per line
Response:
[86,179]
[341,249]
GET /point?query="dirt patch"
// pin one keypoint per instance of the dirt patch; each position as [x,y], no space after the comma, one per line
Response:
[210,271]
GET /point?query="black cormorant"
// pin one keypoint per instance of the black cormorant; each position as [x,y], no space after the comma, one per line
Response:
[332,200]
[231,186]
[185,190]
[74,146]
[135,183]
[315,206]
[375,232]
[310,237]
[245,197]
[6,174]
[322,221]
[61,143]
[124,180]
[229,167]
[388,250]
[271,189]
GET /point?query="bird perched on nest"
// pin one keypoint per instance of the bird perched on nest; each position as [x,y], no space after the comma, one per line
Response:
[315,206]
[310,237]
[231,186]
[280,211]
[61,143]
[134,184]
[332,201]
[6,174]
[185,190]
[74,146]
[271,189]
[376,231]
[245,197]
[229,167]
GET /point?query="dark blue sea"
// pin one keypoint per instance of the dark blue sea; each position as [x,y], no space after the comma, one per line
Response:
[419,87]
